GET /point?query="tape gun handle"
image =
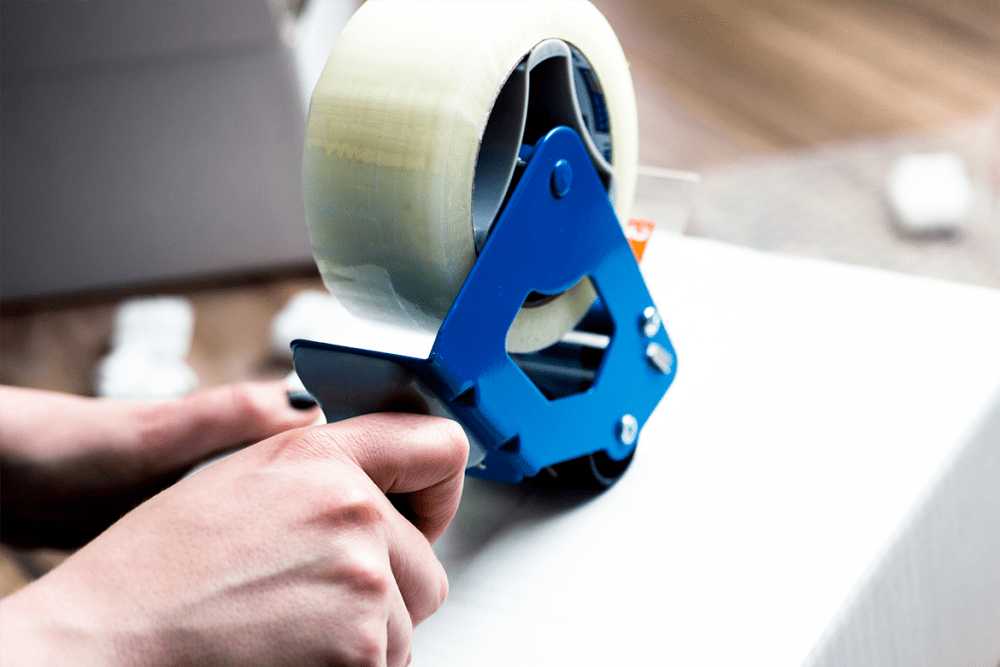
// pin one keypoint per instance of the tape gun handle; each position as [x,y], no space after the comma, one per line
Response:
[349,382]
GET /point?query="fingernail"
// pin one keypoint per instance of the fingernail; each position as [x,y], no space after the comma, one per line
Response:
[301,400]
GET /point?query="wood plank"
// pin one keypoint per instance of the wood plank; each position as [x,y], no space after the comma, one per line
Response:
[790,73]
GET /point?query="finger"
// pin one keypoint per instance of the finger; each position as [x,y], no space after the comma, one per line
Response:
[418,573]
[399,632]
[219,418]
[418,455]
[372,625]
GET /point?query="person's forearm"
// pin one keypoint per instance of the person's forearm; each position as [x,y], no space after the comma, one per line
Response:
[38,627]
[71,465]
[39,424]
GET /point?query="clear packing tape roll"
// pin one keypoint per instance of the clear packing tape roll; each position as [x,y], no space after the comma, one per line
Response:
[412,141]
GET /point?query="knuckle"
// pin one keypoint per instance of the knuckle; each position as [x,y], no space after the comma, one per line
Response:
[154,427]
[349,509]
[369,579]
[359,513]
[302,444]
[435,595]
[431,597]
[244,402]
[369,648]
[284,446]
[364,433]
[334,440]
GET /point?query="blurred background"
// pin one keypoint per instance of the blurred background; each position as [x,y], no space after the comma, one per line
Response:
[153,148]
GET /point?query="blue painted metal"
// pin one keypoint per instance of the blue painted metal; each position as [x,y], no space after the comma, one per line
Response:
[562,178]
[541,243]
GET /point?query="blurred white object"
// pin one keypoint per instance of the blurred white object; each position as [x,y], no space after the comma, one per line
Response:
[150,343]
[930,193]
[311,315]
[162,325]
[665,197]
[313,37]
[132,372]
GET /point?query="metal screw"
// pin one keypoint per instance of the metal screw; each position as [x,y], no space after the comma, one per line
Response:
[562,177]
[650,322]
[659,357]
[628,429]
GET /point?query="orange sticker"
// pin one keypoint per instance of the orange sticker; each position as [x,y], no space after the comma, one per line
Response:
[638,233]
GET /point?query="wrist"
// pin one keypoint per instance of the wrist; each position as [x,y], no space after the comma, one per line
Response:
[31,635]
[46,625]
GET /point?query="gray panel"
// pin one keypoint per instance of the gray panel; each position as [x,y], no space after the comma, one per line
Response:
[44,35]
[119,175]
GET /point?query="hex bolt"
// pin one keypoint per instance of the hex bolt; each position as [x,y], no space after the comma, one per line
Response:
[562,178]
[628,429]
[650,321]
[659,357]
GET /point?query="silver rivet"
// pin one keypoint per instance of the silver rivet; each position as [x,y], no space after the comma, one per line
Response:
[650,322]
[628,429]
[480,466]
[659,357]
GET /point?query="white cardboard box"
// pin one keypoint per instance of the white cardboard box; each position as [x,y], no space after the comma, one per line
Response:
[820,486]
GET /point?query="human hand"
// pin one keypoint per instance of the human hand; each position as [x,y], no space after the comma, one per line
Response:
[286,553]
[70,465]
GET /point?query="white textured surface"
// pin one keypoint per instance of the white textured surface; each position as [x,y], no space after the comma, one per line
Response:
[934,598]
[815,406]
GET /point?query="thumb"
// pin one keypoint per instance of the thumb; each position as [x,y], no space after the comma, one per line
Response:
[418,456]
[221,418]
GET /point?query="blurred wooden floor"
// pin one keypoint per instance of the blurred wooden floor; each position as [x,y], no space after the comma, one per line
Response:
[717,81]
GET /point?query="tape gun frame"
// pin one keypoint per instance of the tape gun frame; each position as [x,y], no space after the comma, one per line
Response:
[557,227]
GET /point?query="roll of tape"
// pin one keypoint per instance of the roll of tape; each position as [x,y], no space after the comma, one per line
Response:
[412,141]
